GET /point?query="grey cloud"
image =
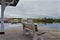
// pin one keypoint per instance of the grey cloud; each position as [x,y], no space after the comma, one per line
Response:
[34,8]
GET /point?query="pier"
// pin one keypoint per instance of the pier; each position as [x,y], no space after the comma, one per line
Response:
[17,34]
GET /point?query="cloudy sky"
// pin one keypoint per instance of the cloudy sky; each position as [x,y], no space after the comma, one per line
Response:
[34,9]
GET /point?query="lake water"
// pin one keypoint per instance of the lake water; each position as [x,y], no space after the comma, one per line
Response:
[54,26]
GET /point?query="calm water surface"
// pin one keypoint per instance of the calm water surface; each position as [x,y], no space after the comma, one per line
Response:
[54,26]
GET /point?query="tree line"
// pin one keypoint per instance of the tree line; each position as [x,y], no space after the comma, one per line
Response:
[47,20]
[38,20]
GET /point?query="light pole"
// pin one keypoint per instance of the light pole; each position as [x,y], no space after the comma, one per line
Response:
[3,6]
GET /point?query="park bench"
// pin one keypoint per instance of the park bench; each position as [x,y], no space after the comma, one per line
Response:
[31,28]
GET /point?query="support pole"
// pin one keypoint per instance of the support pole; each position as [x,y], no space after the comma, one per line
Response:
[3,6]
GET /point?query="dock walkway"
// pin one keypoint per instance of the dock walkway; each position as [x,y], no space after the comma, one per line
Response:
[17,34]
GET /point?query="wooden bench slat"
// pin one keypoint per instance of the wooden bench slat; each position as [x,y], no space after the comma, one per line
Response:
[29,26]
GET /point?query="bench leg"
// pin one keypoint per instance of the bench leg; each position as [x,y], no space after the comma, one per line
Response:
[35,37]
[42,38]
[24,31]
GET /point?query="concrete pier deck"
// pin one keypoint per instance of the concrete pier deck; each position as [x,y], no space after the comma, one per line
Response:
[17,34]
